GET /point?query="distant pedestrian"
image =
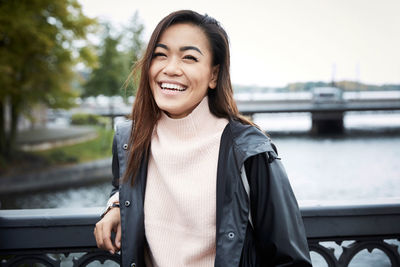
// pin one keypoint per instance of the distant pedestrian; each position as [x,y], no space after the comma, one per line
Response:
[195,183]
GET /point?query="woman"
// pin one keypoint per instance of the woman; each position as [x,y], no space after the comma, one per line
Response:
[200,185]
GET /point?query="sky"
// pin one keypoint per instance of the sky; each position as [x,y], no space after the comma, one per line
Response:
[276,42]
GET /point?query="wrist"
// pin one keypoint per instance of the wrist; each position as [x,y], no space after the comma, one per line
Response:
[109,207]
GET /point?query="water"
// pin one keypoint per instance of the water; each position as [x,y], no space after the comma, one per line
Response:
[360,166]
[346,168]
[94,195]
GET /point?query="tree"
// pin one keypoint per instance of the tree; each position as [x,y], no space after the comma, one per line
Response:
[38,49]
[108,77]
[134,46]
[117,54]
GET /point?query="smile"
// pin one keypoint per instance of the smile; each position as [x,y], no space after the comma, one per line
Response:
[172,86]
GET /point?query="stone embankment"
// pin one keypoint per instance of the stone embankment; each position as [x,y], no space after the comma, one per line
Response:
[57,177]
[60,176]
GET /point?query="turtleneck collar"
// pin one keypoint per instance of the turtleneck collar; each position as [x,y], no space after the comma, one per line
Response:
[199,122]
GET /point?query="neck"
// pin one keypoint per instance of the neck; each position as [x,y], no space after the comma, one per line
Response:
[199,122]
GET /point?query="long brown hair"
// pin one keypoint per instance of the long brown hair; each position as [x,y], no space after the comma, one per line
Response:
[146,113]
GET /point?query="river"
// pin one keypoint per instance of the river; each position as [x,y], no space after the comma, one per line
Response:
[360,166]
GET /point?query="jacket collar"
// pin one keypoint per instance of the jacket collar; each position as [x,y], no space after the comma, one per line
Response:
[248,141]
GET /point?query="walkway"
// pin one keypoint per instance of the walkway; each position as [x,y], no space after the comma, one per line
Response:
[45,138]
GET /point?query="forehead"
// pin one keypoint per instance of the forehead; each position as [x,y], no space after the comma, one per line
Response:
[185,34]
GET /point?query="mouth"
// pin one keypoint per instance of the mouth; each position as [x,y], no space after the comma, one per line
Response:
[172,87]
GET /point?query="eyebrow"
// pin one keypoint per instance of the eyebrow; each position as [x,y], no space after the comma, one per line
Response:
[183,48]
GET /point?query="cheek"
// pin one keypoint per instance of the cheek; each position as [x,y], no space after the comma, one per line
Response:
[207,78]
[154,69]
[201,75]
[151,80]
[151,72]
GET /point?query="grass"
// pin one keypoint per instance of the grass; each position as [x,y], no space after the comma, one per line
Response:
[98,148]
[94,149]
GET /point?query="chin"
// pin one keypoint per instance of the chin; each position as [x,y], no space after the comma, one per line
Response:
[174,111]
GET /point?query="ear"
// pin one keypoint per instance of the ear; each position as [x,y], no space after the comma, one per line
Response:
[214,77]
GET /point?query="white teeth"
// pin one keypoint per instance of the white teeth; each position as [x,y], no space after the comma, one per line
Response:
[172,86]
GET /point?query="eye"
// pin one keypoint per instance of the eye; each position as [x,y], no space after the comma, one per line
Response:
[159,54]
[190,57]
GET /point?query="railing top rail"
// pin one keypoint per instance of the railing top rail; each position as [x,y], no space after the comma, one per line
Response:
[351,210]
[49,217]
[76,216]
[60,228]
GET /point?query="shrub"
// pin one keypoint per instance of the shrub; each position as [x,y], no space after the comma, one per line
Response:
[88,119]
[59,156]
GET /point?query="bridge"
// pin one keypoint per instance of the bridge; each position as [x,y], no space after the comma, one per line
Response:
[48,236]
[327,116]
[264,106]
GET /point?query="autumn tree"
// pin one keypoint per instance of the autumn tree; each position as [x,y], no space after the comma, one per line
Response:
[40,42]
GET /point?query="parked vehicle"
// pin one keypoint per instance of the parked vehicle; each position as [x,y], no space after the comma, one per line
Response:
[322,95]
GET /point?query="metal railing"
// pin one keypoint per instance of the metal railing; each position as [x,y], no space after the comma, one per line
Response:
[40,236]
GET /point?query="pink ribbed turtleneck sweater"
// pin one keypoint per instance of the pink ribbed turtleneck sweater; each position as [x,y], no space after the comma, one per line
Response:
[180,199]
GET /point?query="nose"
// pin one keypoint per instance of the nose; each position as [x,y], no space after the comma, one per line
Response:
[172,67]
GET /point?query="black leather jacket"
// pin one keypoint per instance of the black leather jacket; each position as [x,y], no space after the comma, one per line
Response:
[276,236]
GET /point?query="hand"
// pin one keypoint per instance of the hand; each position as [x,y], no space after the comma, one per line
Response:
[102,232]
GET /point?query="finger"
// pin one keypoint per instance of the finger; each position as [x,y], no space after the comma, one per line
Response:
[97,235]
[106,238]
[94,235]
[118,237]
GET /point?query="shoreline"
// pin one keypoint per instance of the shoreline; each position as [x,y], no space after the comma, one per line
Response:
[57,177]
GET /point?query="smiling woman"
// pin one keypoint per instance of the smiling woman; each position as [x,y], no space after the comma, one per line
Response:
[195,183]
[180,73]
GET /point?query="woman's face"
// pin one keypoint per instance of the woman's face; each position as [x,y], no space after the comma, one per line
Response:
[181,70]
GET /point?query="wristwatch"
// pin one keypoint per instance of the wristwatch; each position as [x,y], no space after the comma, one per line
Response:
[107,209]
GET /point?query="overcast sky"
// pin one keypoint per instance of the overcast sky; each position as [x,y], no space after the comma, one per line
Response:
[282,41]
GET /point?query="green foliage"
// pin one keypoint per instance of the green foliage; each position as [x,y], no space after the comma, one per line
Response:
[38,49]
[117,53]
[355,86]
[134,47]
[109,76]
[390,87]
[97,148]
[89,119]
[60,156]
[133,39]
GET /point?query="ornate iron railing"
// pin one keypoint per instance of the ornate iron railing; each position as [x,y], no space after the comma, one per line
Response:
[50,236]
[366,226]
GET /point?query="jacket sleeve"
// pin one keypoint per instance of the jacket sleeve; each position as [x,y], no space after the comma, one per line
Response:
[278,226]
[115,167]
